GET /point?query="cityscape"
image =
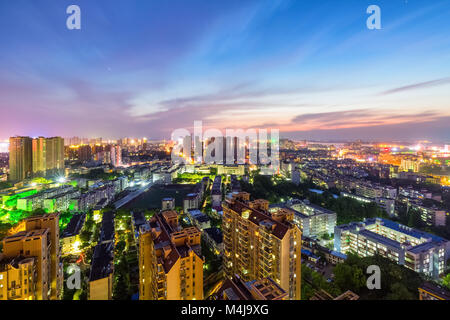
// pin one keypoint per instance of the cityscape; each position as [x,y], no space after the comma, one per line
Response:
[211,165]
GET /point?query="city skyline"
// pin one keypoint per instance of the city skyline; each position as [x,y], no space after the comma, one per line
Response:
[314,71]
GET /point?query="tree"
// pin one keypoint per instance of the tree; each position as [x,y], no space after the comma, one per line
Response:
[399,292]
[121,291]
[120,247]
[348,277]
[446,281]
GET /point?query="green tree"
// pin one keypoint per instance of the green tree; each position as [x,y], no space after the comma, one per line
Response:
[399,292]
[446,281]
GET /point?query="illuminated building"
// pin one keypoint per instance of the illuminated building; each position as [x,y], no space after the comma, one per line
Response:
[199,219]
[51,223]
[386,204]
[116,156]
[259,244]
[313,220]
[33,244]
[236,289]
[409,165]
[170,260]
[417,250]
[20,158]
[48,156]
[431,216]
[17,278]
[168,204]
[216,191]
[70,239]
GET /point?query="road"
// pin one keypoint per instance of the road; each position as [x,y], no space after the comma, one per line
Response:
[120,203]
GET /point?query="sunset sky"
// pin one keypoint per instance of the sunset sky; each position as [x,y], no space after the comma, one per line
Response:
[311,69]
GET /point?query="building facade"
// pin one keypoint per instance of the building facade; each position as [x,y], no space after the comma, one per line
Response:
[259,244]
[170,260]
[20,158]
[419,251]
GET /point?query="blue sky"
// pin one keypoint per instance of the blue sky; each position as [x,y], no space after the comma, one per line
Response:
[144,68]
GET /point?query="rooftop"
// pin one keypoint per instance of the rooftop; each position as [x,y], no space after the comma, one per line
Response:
[102,261]
[74,226]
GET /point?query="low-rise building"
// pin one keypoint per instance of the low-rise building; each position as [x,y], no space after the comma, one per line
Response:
[214,238]
[191,201]
[102,270]
[70,239]
[417,250]
[168,204]
[199,219]
[313,220]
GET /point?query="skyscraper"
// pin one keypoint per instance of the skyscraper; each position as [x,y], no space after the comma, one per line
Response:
[48,156]
[259,244]
[20,158]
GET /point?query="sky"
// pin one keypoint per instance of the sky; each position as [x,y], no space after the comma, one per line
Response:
[143,68]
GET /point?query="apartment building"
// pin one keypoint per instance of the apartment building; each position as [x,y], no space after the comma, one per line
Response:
[17,278]
[432,216]
[170,260]
[260,244]
[35,244]
[50,222]
[313,220]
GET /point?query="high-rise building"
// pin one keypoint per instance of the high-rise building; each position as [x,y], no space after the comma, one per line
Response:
[259,244]
[116,156]
[48,156]
[84,153]
[20,158]
[170,261]
[17,278]
[51,223]
[34,244]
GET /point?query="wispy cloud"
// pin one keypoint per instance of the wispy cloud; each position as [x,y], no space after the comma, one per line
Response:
[418,86]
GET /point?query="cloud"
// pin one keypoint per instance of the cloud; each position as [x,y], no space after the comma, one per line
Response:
[435,130]
[418,86]
[358,118]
